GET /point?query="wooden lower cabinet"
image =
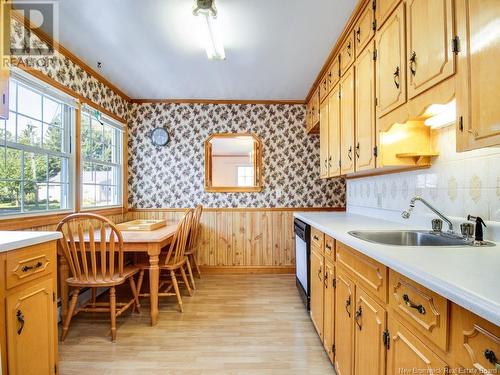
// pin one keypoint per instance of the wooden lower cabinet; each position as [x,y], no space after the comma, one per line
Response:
[414,331]
[29,341]
[317,271]
[370,323]
[328,308]
[344,324]
[408,355]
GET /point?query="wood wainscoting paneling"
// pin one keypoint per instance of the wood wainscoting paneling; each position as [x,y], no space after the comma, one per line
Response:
[240,240]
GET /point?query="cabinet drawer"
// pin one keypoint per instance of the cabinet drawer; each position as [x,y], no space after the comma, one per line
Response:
[329,247]
[370,274]
[29,263]
[334,73]
[424,310]
[364,29]
[475,343]
[317,239]
[347,54]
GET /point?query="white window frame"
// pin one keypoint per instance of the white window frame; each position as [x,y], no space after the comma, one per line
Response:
[118,179]
[70,105]
[245,176]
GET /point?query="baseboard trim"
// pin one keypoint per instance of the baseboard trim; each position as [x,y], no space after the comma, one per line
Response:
[238,270]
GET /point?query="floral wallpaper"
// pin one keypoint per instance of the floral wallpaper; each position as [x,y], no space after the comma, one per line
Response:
[173,176]
[66,72]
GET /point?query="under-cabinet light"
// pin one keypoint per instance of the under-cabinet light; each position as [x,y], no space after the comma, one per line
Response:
[441,115]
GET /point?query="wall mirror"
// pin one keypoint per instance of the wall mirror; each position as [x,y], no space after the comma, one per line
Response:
[233,163]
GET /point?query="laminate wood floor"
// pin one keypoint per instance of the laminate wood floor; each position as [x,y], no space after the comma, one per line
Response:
[233,324]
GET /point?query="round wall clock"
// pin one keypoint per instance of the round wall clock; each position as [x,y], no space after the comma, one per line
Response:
[160,136]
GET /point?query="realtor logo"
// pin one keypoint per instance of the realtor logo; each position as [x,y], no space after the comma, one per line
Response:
[39,18]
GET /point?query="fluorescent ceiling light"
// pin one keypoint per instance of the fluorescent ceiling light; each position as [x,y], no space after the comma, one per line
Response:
[441,115]
[206,13]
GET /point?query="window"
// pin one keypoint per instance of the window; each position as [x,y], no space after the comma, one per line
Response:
[245,176]
[101,160]
[35,149]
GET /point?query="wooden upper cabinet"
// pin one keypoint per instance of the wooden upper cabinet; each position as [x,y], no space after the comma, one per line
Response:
[30,339]
[365,109]
[309,123]
[344,320]
[347,54]
[334,132]
[407,353]
[323,139]
[317,274]
[329,308]
[334,72]
[347,122]
[323,88]
[383,9]
[478,78]
[475,343]
[429,34]
[391,63]
[364,29]
[370,322]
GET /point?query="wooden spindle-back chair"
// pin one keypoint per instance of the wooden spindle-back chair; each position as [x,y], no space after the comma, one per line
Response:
[95,260]
[174,260]
[193,244]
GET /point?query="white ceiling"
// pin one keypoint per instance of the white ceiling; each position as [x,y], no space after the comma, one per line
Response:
[151,48]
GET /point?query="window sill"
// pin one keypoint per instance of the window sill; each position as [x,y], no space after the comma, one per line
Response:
[24,222]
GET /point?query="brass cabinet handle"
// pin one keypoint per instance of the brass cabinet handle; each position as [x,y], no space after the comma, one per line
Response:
[357,316]
[357,150]
[409,303]
[349,153]
[319,274]
[28,268]
[328,247]
[413,63]
[396,77]
[330,161]
[20,320]
[358,34]
[316,238]
[326,280]
[347,305]
[349,48]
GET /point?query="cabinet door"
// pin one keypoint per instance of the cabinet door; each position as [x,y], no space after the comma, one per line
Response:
[347,122]
[408,355]
[391,66]
[429,34]
[323,139]
[323,87]
[365,110]
[364,29]
[383,9]
[334,132]
[308,116]
[30,330]
[317,272]
[347,54]
[370,323]
[329,308]
[478,75]
[334,73]
[344,329]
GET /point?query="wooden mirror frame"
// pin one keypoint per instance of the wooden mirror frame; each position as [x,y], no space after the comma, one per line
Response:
[233,189]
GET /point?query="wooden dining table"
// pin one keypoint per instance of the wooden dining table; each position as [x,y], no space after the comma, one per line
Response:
[150,242]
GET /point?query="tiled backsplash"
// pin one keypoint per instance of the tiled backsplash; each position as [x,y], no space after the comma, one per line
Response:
[458,184]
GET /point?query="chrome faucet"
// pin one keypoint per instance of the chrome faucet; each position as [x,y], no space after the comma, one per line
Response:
[406,214]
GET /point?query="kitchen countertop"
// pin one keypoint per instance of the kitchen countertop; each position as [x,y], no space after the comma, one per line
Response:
[11,240]
[468,276]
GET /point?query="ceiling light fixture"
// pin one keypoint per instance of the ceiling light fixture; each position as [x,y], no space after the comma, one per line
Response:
[207,13]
